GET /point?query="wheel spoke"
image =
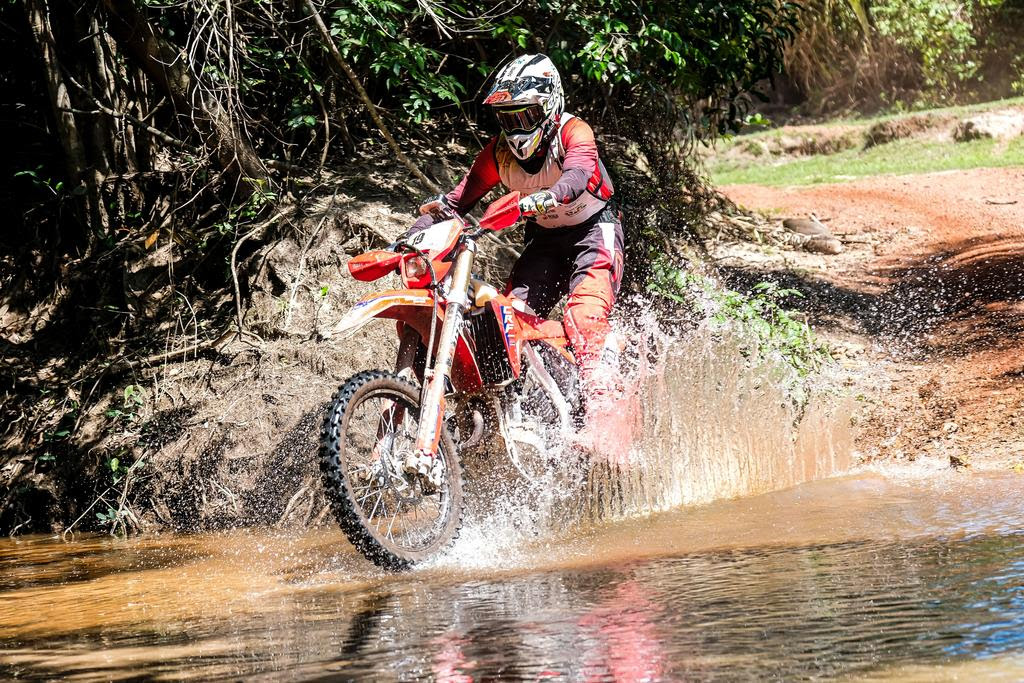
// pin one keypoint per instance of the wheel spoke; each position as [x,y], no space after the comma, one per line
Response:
[405,524]
[384,510]
[380,497]
[398,509]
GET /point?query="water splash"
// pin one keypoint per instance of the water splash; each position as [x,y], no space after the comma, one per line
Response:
[705,422]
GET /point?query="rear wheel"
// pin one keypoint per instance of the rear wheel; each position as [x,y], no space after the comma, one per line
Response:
[369,430]
[536,425]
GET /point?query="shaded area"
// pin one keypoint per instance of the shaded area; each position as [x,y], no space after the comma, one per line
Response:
[251,487]
[66,360]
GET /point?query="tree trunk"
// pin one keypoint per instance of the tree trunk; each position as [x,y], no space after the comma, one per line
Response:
[332,49]
[75,158]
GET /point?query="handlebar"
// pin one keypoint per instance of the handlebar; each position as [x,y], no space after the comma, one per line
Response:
[473,233]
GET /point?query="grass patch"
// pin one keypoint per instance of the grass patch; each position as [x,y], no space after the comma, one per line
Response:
[896,158]
[958,110]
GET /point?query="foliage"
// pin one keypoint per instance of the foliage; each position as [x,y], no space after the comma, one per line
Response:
[62,411]
[259,77]
[908,53]
[56,188]
[132,402]
[116,514]
[121,468]
[1017,66]
[759,314]
[641,52]
[939,32]
[612,52]
[383,35]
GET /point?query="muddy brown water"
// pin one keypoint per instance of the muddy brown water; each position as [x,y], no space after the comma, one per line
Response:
[880,575]
[724,547]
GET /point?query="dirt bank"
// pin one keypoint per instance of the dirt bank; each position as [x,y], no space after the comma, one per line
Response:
[188,427]
[925,304]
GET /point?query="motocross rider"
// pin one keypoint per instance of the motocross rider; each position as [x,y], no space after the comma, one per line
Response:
[574,238]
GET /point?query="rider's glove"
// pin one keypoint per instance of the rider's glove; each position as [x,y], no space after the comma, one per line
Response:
[537,203]
[432,211]
[437,207]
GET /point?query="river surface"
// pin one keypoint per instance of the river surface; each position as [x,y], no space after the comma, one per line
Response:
[883,575]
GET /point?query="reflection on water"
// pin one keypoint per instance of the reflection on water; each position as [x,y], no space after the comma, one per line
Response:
[856,578]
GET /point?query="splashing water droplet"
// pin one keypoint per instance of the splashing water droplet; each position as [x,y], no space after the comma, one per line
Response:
[707,421]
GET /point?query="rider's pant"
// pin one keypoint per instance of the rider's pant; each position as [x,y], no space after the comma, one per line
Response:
[582,261]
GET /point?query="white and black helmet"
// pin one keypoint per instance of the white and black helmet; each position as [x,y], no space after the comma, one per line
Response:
[527,99]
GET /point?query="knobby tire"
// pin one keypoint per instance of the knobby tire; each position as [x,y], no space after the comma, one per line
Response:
[340,490]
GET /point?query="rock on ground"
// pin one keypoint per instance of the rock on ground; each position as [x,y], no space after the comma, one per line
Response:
[998,125]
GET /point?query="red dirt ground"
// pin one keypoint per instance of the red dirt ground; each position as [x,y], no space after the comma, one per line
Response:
[931,289]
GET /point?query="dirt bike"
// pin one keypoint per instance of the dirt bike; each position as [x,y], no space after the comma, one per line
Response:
[474,368]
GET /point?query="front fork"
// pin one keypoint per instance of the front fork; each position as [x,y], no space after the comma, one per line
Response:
[432,403]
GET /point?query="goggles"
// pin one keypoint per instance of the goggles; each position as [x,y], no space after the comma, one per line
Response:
[519,119]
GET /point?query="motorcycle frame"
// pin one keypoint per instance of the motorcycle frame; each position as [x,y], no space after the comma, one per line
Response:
[450,357]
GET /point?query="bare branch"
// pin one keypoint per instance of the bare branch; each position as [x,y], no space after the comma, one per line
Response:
[234,267]
[174,72]
[132,120]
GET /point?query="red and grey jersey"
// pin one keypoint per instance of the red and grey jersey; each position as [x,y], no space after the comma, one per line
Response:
[571,170]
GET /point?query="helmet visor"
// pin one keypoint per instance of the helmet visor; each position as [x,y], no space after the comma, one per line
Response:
[519,119]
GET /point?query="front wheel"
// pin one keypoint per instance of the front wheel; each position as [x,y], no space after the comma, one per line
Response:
[369,430]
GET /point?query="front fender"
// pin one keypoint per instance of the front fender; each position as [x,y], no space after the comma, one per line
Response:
[395,303]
